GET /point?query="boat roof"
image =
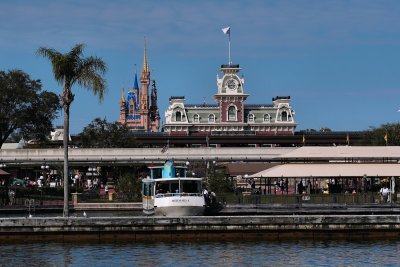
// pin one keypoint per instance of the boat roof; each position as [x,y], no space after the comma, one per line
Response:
[162,166]
[175,179]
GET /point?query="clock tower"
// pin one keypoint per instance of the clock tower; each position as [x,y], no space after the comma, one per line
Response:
[230,96]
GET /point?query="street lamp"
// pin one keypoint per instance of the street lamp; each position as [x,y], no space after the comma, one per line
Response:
[93,172]
[45,168]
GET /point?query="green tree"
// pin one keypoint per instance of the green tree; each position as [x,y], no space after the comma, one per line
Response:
[129,187]
[25,109]
[218,182]
[102,134]
[376,136]
[69,69]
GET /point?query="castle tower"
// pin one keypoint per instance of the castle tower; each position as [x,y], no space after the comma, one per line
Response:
[136,111]
[231,96]
[144,110]
[122,109]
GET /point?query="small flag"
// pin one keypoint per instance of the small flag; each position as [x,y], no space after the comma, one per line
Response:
[227,30]
[348,139]
[304,139]
[385,138]
[164,149]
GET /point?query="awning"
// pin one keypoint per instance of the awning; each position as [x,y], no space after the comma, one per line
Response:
[3,172]
[331,170]
[344,152]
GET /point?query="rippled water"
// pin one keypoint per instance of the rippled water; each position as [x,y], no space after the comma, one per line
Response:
[199,253]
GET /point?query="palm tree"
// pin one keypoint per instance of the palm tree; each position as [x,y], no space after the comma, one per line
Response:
[68,69]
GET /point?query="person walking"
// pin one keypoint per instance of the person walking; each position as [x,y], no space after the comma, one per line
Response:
[384,193]
[106,190]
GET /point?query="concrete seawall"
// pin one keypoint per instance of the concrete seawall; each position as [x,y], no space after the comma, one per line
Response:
[201,227]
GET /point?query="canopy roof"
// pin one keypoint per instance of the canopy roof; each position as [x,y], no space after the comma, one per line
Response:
[331,170]
[344,152]
[3,172]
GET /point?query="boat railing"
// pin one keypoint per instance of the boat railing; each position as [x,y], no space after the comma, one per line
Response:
[179,195]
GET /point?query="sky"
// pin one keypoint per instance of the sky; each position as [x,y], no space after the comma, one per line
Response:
[338,60]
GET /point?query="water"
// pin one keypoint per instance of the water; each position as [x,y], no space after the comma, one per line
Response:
[203,253]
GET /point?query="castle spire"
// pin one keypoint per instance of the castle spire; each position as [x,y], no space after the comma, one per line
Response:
[135,84]
[145,65]
[123,94]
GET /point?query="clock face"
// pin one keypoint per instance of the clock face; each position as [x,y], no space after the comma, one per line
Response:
[231,84]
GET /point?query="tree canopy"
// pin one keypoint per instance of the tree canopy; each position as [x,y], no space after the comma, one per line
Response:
[102,134]
[377,136]
[73,68]
[24,107]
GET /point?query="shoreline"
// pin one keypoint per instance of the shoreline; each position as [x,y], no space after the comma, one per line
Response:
[146,228]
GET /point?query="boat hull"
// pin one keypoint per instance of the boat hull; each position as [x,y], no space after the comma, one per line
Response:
[177,211]
[179,205]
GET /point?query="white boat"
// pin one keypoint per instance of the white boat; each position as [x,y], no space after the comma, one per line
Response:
[168,192]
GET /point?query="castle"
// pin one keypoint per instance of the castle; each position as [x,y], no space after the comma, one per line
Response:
[138,111]
[230,115]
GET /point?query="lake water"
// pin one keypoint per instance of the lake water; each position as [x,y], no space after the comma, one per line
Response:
[204,253]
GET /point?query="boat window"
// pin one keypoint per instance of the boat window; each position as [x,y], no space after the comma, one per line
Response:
[174,187]
[190,187]
[163,188]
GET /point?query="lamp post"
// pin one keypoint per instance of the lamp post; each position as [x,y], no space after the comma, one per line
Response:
[93,172]
[45,169]
[76,182]
[187,167]
[3,165]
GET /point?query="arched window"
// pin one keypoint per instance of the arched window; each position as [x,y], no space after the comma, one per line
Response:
[251,118]
[196,118]
[211,118]
[178,116]
[232,113]
[284,116]
[266,117]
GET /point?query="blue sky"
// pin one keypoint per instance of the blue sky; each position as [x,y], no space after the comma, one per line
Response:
[338,60]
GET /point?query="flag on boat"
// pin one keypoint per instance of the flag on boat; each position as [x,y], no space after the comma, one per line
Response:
[304,139]
[385,138]
[227,30]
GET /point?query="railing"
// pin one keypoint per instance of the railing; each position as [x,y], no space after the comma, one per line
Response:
[360,198]
[179,195]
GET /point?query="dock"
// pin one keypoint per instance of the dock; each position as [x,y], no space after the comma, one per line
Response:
[147,228]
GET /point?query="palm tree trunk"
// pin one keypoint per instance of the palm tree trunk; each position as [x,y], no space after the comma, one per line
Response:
[65,144]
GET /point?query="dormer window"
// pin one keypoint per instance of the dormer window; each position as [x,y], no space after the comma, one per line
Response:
[178,116]
[251,118]
[211,118]
[267,118]
[196,118]
[284,116]
[232,114]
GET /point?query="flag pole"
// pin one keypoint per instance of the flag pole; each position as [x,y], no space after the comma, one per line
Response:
[227,30]
[229,47]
